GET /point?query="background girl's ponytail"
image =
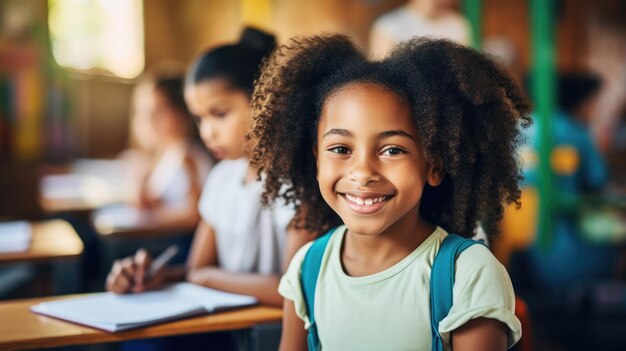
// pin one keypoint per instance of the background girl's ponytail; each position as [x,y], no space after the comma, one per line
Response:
[237,64]
[257,41]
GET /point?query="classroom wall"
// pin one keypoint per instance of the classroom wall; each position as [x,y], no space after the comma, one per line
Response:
[94,121]
[511,19]
[181,30]
[99,105]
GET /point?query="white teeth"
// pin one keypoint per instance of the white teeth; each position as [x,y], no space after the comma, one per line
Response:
[367,202]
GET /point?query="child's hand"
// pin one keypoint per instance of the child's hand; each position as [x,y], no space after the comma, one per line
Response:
[131,275]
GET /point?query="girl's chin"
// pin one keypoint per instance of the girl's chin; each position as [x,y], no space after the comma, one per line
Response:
[363,229]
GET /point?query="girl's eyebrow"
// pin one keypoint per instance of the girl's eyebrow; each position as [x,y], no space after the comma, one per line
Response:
[383,135]
[337,131]
[391,133]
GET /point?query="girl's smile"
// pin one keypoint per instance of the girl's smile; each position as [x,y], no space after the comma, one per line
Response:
[365,203]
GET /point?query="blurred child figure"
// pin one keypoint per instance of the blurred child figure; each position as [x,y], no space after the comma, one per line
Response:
[170,166]
[163,170]
[568,262]
[239,245]
[431,18]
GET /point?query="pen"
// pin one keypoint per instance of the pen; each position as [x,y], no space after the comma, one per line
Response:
[161,260]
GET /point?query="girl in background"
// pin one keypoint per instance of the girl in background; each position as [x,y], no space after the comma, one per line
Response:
[168,170]
[239,246]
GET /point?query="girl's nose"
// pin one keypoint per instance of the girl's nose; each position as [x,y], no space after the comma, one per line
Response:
[364,170]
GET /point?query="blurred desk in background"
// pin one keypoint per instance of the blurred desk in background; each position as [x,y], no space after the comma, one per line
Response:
[54,242]
[123,221]
[20,329]
[83,186]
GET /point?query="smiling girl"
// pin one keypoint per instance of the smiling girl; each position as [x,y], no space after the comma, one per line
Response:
[401,151]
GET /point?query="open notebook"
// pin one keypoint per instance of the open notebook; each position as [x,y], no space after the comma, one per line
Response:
[111,312]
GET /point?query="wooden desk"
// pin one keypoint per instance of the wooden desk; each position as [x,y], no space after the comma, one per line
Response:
[21,329]
[143,232]
[52,240]
[57,243]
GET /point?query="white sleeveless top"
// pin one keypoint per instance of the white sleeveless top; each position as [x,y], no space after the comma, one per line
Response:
[170,181]
[403,24]
[250,238]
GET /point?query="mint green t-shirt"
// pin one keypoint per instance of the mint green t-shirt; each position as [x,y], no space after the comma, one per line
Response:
[390,310]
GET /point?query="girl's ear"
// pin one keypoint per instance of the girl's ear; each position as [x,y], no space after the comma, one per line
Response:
[435,175]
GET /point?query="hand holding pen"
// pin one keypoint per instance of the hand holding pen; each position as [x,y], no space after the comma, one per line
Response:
[139,272]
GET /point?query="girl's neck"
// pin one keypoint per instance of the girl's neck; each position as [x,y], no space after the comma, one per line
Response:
[251,174]
[169,144]
[365,255]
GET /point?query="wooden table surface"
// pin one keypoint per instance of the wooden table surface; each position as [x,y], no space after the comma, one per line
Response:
[51,240]
[21,329]
[141,231]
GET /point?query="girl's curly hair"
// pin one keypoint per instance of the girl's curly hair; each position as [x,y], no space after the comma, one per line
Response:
[466,108]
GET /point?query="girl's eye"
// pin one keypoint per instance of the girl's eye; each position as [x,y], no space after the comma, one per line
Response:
[220,114]
[341,150]
[393,151]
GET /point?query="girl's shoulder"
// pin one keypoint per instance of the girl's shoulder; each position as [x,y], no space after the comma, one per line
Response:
[477,263]
[299,257]
[228,170]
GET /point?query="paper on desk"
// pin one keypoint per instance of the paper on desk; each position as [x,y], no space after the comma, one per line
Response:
[120,216]
[15,236]
[211,299]
[113,312]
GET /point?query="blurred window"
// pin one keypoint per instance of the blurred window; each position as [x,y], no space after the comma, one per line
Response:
[98,35]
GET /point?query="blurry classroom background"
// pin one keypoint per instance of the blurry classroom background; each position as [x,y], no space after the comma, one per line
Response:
[68,75]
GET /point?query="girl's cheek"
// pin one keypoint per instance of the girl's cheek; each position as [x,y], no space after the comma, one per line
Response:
[328,173]
[205,131]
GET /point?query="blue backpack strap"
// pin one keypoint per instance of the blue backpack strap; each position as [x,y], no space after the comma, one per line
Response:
[310,270]
[442,282]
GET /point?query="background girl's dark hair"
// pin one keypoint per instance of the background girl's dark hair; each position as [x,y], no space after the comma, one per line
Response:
[168,77]
[238,63]
[172,87]
[466,108]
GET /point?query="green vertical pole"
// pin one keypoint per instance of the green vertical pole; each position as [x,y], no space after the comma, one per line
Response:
[542,16]
[473,10]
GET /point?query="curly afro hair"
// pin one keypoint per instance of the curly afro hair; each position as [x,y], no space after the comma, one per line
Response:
[467,110]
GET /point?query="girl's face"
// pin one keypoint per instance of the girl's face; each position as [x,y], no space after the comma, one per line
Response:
[156,121]
[224,114]
[370,164]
